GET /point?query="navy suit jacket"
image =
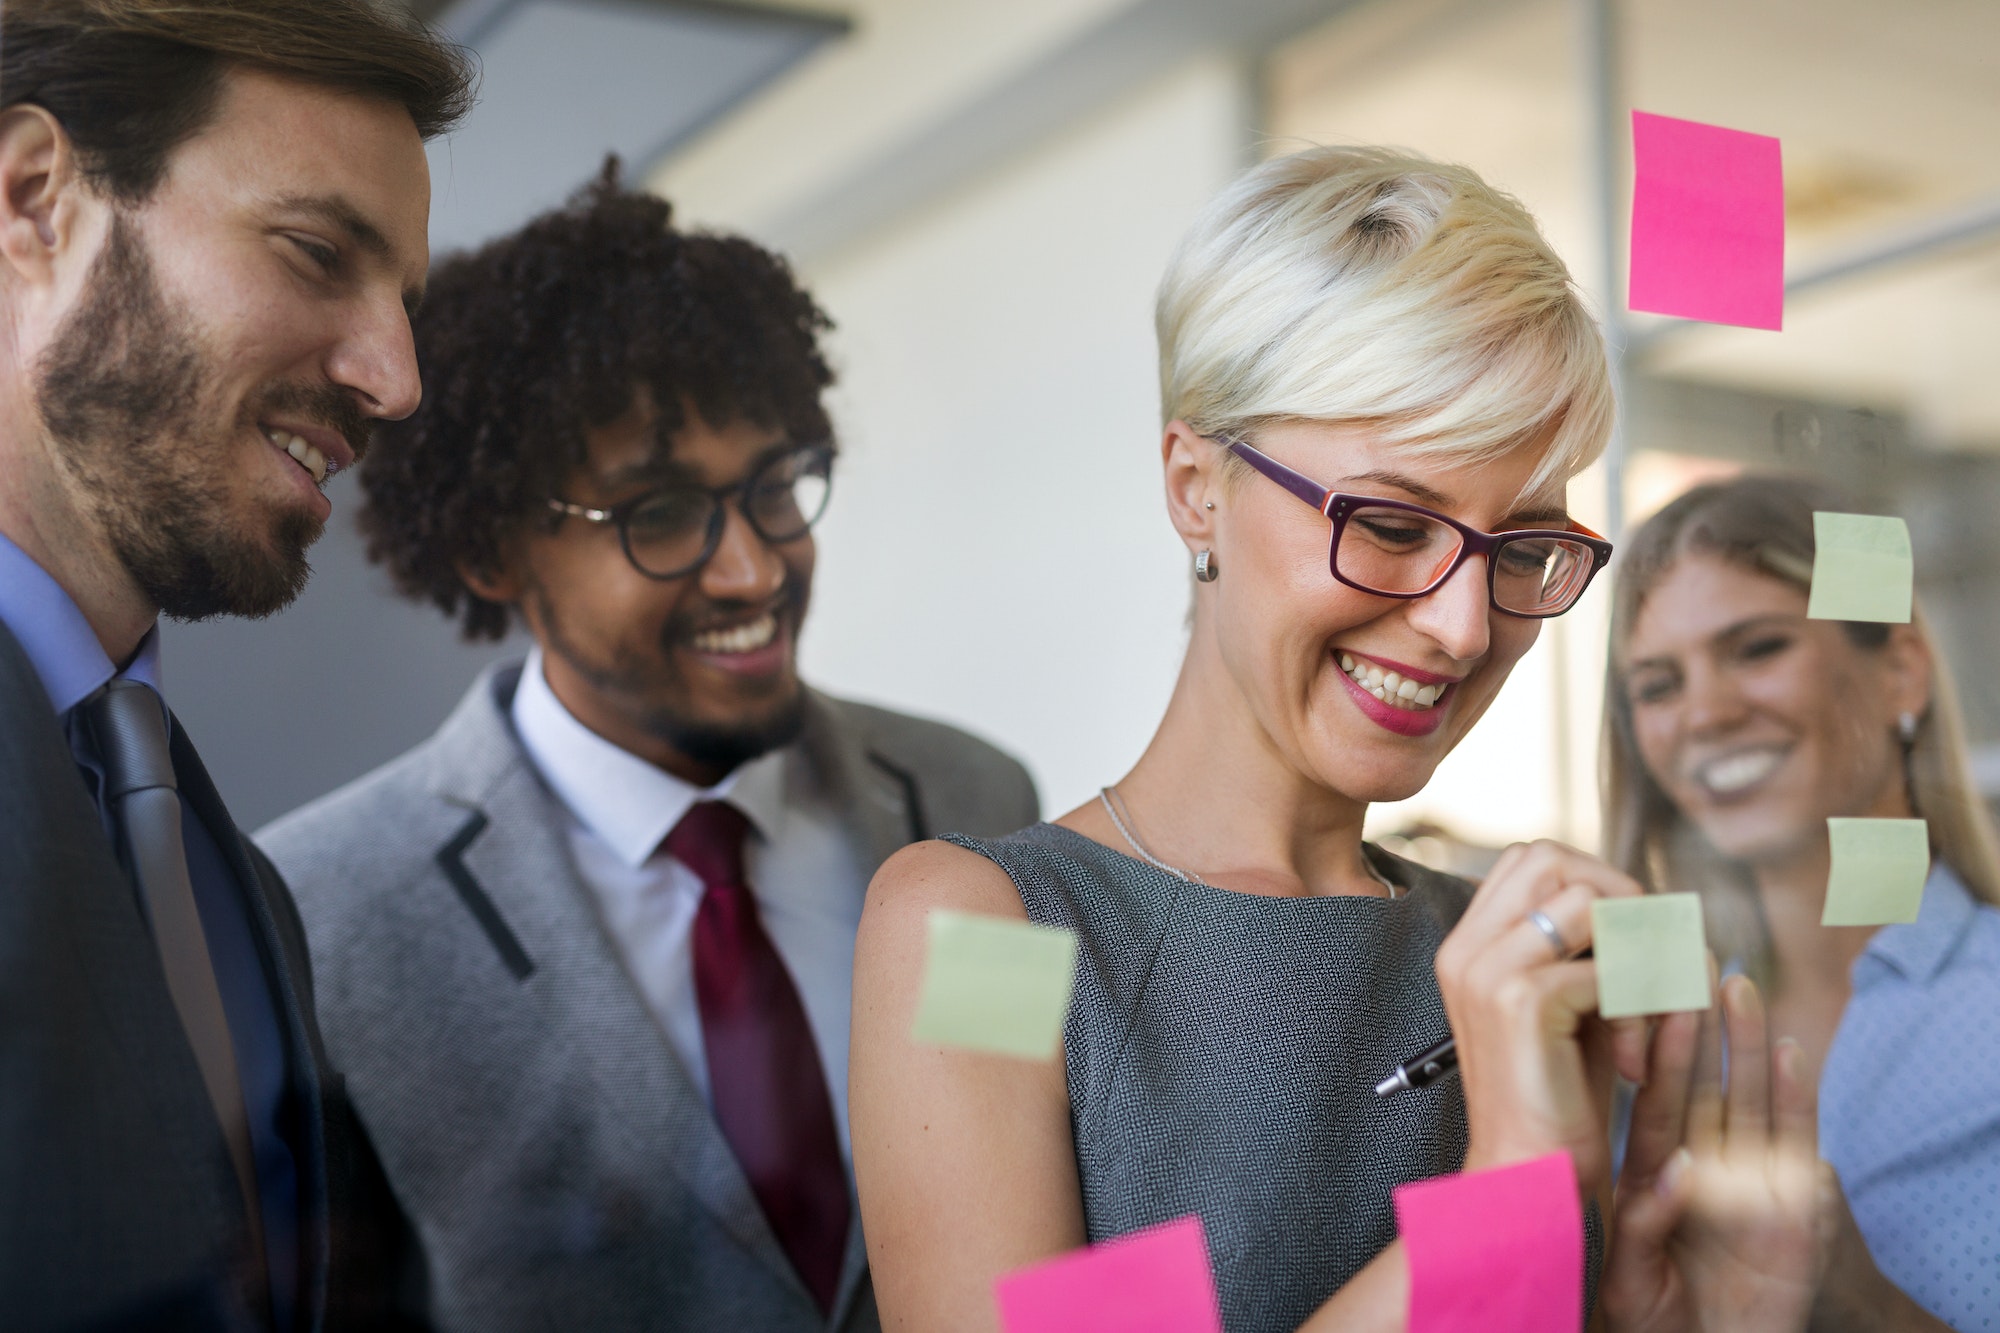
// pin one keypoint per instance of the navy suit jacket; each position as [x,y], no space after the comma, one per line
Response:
[118,1205]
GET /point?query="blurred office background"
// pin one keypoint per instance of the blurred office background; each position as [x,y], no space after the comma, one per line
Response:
[983,195]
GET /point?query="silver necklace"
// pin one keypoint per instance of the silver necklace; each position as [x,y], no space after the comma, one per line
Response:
[1113,801]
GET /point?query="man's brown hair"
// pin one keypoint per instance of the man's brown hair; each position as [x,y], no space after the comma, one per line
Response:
[131,80]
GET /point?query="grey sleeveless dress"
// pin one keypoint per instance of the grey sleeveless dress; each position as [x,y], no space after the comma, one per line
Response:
[1222,1052]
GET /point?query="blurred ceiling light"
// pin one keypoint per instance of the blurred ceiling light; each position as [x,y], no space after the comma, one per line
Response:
[563,82]
[1837,191]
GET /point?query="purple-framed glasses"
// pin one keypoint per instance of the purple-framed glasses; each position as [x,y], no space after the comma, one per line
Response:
[1392,548]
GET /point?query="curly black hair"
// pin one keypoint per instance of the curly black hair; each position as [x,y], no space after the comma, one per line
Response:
[531,339]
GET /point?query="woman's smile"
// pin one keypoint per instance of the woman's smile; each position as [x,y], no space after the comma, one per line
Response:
[1738,774]
[1396,698]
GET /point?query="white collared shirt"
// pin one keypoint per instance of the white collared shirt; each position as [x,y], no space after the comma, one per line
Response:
[799,858]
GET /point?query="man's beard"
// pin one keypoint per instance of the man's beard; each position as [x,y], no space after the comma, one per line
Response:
[125,392]
[724,748]
[721,746]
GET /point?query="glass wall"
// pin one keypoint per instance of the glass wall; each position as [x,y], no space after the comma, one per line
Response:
[1881,379]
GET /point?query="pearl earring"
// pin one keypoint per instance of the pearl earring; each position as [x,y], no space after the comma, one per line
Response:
[1906,727]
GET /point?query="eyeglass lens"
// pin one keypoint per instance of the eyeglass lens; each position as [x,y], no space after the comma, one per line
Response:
[671,531]
[1398,552]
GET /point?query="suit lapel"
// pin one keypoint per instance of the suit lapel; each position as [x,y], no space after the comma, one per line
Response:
[853,1271]
[95,954]
[877,798]
[60,822]
[882,803]
[304,1058]
[518,861]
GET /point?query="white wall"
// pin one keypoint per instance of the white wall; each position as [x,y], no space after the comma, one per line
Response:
[998,553]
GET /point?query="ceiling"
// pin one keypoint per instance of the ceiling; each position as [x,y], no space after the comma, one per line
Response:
[932,96]
[1889,115]
[563,82]
[1890,118]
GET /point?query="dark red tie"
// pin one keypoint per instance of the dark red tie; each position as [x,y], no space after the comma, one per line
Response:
[763,1070]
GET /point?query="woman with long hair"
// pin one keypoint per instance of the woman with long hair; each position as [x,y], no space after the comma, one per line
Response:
[1735,727]
[1376,381]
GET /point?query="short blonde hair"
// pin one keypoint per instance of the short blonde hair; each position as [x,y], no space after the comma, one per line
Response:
[1373,285]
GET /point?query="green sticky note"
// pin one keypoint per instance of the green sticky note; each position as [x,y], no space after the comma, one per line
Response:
[1652,957]
[994,985]
[1861,568]
[1879,869]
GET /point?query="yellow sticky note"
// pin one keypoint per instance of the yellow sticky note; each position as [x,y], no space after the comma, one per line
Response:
[994,985]
[1652,957]
[1879,869]
[1861,568]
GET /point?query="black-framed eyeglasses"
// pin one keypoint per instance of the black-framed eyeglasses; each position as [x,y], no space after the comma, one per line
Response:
[1392,548]
[671,532]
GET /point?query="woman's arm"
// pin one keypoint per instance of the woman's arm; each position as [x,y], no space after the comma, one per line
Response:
[965,1161]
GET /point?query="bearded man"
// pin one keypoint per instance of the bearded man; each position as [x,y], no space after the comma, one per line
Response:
[212,232]
[586,955]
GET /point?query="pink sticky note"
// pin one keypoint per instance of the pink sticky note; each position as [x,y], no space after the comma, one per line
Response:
[1708,223]
[1152,1281]
[1500,1251]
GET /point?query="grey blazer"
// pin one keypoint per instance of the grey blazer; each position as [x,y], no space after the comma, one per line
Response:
[559,1168]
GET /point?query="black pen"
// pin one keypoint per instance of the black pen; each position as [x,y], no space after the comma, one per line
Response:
[1429,1065]
[1422,1070]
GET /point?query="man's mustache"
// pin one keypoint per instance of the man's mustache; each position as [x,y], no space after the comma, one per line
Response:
[323,405]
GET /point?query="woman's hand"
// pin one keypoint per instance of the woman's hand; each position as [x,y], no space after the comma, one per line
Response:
[1535,1059]
[1724,1208]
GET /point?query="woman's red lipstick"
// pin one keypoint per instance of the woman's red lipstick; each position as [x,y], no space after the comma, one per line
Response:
[1402,721]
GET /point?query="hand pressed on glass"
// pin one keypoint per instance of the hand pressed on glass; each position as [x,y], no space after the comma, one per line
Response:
[1722,1213]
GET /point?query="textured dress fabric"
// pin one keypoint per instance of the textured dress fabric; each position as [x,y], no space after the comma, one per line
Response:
[1222,1051]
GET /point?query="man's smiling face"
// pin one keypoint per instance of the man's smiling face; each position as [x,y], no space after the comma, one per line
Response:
[696,673]
[237,334]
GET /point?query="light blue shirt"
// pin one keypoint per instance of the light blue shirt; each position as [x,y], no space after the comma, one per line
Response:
[64,650]
[1909,1104]
[59,642]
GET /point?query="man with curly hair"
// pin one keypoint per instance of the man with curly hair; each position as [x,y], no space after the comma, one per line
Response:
[213,219]
[586,953]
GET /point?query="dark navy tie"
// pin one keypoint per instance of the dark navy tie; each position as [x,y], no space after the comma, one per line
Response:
[128,725]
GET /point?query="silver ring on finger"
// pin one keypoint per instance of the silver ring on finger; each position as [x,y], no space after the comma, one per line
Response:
[1549,932]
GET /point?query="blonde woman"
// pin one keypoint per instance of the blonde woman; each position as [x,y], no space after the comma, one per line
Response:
[1735,727]
[1376,380]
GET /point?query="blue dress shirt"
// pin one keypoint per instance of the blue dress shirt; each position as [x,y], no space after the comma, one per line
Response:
[72,664]
[1909,1104]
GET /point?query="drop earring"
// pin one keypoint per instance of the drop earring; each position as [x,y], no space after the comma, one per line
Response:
[1906,727]
[1206,568]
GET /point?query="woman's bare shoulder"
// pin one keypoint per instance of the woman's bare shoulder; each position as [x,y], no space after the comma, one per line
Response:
[963,1158]
[926,876]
